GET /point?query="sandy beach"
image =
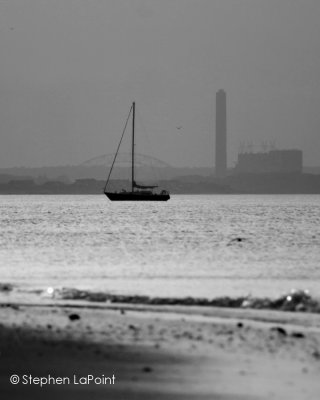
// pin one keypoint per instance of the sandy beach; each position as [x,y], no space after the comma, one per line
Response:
[157,352]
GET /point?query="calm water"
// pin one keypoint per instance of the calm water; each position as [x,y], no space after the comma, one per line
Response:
[187,246]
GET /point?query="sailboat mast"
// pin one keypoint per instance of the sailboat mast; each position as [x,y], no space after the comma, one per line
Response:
[132,156]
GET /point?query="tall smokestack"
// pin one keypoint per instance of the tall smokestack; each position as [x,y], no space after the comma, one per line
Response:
[221,134]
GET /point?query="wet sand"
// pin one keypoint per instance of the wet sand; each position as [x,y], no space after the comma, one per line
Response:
[159,352]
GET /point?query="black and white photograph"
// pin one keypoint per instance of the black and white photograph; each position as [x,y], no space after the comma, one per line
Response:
[160,199]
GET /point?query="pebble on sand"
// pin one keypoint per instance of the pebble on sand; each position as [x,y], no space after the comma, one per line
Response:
[280,330]
[74,317]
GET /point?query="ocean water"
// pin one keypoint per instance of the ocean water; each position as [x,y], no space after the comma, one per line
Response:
[200,245]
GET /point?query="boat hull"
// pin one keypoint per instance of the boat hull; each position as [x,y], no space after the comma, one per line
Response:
[127,196]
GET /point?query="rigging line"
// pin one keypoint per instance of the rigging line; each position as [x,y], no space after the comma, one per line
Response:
[125,127]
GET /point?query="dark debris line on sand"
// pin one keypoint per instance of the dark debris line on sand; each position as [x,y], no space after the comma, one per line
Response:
[296,300]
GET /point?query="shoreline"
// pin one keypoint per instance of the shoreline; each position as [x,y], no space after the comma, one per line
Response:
[160,352]
[294,301]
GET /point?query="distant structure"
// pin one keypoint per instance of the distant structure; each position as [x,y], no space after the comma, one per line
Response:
[274,161]
[221,134]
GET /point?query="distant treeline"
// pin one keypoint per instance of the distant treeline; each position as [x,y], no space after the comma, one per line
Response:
[234,184]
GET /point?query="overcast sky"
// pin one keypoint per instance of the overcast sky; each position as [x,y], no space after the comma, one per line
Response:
[69,70]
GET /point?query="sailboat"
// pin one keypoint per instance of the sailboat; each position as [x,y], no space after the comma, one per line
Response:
[137,192]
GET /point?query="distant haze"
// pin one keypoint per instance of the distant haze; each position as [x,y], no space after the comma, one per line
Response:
[69,70]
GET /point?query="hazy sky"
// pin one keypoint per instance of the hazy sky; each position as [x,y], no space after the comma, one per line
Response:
[69,70]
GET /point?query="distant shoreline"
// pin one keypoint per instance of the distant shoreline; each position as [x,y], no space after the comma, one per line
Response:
[171,193]
[233,184]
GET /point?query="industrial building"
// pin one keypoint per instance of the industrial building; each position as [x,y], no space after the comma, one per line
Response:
[274,161]
[221,135]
